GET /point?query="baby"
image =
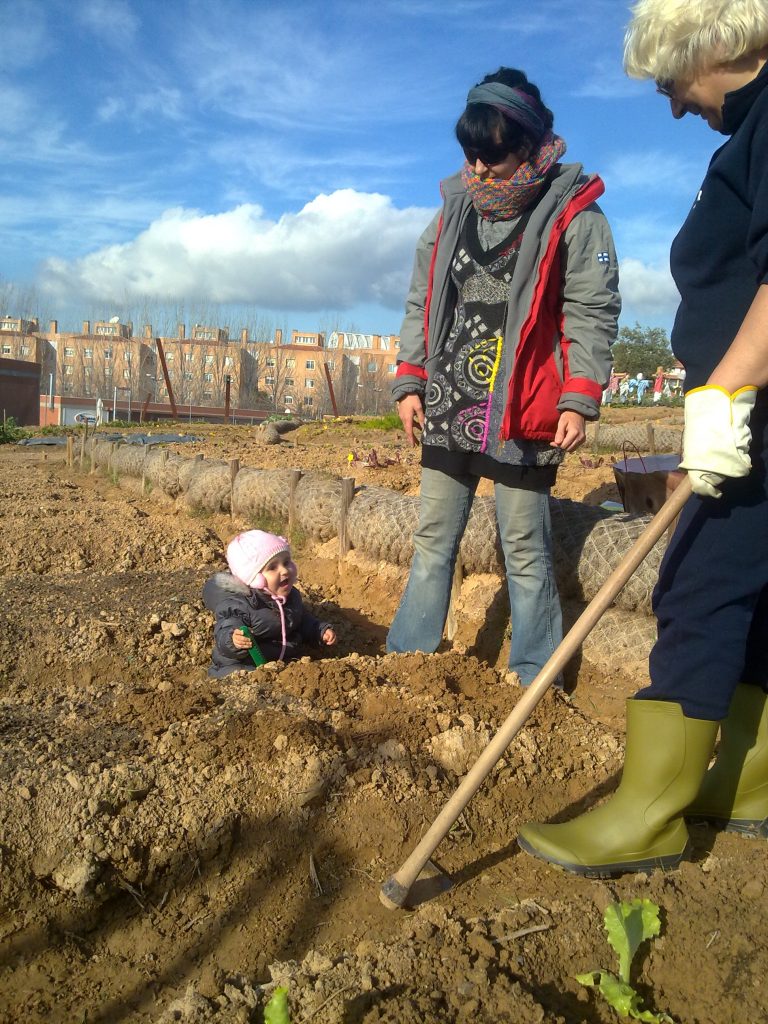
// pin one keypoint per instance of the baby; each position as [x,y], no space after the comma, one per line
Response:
[258,593]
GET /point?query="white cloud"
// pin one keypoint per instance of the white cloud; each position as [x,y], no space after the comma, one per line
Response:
[162,102]
[338,251]
[648,292]
[112,20]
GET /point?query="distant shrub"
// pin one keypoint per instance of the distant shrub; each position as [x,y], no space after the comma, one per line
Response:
[11,432]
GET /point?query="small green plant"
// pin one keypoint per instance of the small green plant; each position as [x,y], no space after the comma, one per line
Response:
[276,1010]
[389,422]
[627,925]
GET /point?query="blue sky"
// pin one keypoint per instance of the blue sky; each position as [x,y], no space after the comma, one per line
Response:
[245,160]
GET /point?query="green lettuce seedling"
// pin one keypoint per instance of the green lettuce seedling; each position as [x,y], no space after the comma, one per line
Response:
[276,1010]
[627,925]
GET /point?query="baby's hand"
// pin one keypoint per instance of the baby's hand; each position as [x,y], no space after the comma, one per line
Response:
[329,637]
[241,641]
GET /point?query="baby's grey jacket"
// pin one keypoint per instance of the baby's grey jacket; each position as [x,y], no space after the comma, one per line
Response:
[235,604]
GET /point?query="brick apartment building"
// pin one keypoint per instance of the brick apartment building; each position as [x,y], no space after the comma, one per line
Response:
[106,360]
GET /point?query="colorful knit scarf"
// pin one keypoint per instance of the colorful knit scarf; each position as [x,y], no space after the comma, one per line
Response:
[505,198]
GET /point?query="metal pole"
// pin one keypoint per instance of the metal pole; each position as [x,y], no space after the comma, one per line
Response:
[114,404]
[129,405]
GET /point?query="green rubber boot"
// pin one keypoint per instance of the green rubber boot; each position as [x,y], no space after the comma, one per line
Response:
[641,827]
[734,793]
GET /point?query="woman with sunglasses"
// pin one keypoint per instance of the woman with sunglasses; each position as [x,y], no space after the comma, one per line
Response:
[504,353]
[709,667]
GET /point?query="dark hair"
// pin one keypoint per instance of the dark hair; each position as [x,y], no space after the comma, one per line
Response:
[485,130]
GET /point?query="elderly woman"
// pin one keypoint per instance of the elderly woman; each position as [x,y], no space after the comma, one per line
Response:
[504,353]
[709,667]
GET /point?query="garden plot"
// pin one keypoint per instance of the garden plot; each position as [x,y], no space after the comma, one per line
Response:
[174,846]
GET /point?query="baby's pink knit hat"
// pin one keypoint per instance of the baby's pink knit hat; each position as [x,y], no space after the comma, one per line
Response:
[249,552]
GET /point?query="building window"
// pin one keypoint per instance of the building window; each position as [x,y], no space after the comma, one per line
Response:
[126,374]
[391,367]
[330,364]
[207,396]
[6,350]
[289,382]
[228,360]
[107,353]
[309,400]
[188,356]
[288,399]
[69,369]
[209,359]
[107,371]
[372,367]
[208,377]
[309,383]
[169,357]
[269,380]
[88,371]
[88,353]
[385,342]
[69,352]
[355,360]
[310,364]
[290,364]
[271,362]
[24,350]
[106,329]
[187,376]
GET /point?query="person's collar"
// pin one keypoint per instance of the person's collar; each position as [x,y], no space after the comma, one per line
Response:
[738,103]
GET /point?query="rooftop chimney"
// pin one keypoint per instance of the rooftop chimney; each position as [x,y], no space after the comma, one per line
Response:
[244,335]
[278,336]
[86,326]
[180,331]
[53,327]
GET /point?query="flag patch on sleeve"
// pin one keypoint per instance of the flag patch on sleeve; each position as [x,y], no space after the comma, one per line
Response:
[603,257]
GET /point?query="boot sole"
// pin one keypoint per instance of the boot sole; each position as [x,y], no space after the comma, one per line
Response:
[608,870]
[751,829]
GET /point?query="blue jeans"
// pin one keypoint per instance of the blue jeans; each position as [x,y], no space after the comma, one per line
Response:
[525,531]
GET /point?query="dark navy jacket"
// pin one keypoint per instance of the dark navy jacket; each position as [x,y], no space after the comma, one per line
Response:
[236,604]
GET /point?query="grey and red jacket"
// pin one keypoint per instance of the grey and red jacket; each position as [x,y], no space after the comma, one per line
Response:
[562,309]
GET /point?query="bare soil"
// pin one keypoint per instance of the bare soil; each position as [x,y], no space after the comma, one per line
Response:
[171,845]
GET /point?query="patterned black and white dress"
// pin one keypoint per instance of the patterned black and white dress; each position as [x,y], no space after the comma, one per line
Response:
[463,407]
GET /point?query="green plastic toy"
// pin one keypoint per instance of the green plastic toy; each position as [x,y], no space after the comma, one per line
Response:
[255,651]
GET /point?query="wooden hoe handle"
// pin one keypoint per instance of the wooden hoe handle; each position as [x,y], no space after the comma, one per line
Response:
[394,892]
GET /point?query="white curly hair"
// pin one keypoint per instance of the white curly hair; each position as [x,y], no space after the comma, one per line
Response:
[677,39]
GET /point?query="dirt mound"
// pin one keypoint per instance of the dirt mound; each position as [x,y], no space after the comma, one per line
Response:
[173,846]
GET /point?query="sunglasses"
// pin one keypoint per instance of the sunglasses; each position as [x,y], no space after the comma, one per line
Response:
[489,156]
[665,87]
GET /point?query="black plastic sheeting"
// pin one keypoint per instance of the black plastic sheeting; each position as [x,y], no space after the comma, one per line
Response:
[125,438]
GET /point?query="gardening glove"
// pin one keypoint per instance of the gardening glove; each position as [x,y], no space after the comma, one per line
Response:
[716,436]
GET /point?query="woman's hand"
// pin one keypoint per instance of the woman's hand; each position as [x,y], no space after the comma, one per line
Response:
[411,411]
[570,432]
[241,641]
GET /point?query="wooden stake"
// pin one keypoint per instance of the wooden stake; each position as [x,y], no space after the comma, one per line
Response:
[70,452]
[649,429]
[458,576]
[296,475]
[234,469]
[347,494]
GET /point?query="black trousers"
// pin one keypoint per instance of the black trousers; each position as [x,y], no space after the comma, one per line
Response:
[711,599]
